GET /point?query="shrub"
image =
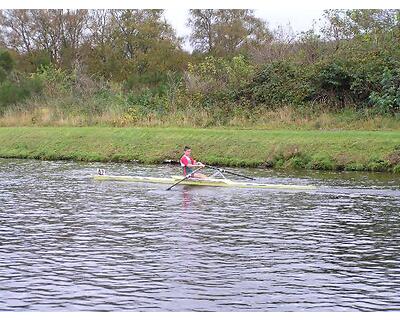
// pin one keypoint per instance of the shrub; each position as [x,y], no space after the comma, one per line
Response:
[131,116]
[387,100]
[376,164]
[321,162]
[299,161]
[280,83]
[3,75]
[354,167]
[366,69]
[218,79]
[11,93]
[332,80]
[56,82]
[150,80]
[146,102]
[32,85]
[13,89]
[6,61]
[40,59]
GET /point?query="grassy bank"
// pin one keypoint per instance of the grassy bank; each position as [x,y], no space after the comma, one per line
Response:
[51,113]
[326,150]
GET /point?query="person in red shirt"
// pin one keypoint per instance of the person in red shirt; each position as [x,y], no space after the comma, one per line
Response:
[189,164]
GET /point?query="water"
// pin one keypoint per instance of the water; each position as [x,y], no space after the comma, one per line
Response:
[68,243]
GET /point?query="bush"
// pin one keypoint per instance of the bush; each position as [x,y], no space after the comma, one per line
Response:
[387,100]
[11,93]
[13,89]
[6,61]
[154,81]
[366,71]
[280,83]
[218,79]
[56,82]
[333,80]
[299,161]
[33,86]
[6,65]
[3,75]
[321,162]
[147,101]
[360,76]
[354,167]
[376,164]
[40,59]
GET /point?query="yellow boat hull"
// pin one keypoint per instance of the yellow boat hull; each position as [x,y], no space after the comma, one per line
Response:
[203,182]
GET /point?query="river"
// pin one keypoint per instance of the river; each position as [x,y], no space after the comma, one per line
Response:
[69,243]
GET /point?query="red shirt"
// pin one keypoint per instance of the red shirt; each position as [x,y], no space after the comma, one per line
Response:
[185,160]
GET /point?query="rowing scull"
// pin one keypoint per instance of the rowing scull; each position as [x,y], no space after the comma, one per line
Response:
[203,182]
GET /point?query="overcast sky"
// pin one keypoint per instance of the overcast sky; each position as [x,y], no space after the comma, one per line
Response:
[300,20]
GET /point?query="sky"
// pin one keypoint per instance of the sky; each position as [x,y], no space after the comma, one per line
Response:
[299,19]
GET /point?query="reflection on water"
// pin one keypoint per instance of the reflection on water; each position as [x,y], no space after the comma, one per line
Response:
[69,243]
[186,196]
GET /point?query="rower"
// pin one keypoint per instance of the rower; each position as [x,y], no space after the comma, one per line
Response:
[188,164]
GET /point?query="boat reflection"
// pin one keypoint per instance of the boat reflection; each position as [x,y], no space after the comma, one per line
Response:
[186,197]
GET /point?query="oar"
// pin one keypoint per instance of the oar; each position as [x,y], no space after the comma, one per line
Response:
[186,177]
[230,172]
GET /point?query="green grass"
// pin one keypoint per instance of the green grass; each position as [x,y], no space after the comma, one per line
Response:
[323,150]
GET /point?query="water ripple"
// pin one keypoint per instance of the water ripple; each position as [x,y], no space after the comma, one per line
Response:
[68,243]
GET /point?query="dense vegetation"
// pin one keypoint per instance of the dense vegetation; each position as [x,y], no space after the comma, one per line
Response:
[127,67]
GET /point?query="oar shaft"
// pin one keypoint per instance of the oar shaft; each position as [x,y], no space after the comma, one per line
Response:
[186,177]
[230,172]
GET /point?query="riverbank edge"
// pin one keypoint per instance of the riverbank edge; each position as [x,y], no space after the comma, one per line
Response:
[319,150]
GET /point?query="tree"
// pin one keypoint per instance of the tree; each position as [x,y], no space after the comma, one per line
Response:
[309,46]
[368,25]
[226,32]
[112,43]
[203,25]
[59,33]
[17,30]
[137,31]
[133,44]
[282,47]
